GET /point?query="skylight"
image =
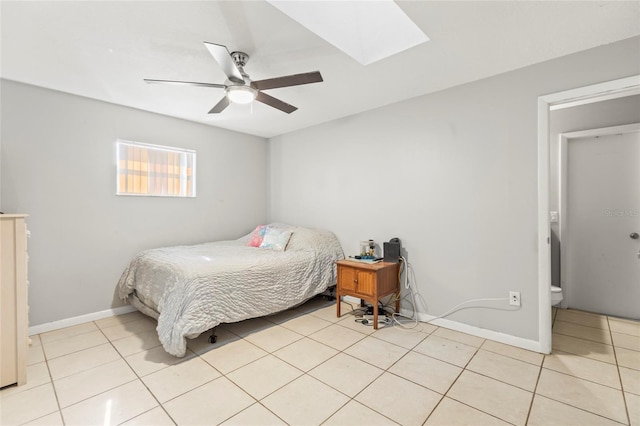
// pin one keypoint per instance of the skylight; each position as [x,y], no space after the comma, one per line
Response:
[366,30]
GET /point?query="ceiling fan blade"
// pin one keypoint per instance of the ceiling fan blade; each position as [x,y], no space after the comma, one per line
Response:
[276,103]
[223,58]
[289,80]
[220,106]
[185,83]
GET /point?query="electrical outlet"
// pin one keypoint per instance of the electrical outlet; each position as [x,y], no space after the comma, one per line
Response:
[514,298]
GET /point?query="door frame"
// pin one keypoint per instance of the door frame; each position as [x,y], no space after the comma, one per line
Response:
[580,96]
[565,138]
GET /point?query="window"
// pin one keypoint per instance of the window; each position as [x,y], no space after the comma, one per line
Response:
[154,170]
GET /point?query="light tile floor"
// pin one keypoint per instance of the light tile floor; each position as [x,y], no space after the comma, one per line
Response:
[306,367]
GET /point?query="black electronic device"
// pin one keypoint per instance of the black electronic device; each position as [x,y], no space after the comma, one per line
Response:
[392,250]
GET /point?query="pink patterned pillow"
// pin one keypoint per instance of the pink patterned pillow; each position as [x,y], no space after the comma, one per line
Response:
[257,236]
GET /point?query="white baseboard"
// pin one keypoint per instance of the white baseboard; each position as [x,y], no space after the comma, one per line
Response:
[68,322]
[508,339]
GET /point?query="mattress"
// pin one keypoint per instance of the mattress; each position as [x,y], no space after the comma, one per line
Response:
[191,289]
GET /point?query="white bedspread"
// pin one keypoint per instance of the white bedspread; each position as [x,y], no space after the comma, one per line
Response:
[191,289]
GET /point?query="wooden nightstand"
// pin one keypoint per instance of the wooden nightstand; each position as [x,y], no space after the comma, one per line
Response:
[367,281]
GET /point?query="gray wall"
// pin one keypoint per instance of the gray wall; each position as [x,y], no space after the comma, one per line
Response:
[58,165]
[614,112]
[452,174]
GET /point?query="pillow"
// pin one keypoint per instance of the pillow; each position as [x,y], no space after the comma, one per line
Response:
[257,236]
[275,239]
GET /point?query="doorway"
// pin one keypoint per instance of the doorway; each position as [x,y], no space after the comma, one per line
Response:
[599,217]
[594,93]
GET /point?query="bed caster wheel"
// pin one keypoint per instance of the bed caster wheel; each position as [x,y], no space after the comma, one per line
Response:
[213,338]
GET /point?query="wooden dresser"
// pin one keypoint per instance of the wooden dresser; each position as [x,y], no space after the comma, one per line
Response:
[367,281]
[13,300]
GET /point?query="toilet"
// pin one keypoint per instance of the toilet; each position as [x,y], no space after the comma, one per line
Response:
[556,295]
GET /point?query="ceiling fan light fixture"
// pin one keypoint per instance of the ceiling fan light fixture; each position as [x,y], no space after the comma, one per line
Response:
[241,94]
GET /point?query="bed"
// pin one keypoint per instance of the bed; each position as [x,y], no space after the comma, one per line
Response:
[191,289]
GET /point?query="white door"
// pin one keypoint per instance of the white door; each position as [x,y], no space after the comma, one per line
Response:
[602,223]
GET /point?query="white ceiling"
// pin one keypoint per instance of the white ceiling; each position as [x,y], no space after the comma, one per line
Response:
[103,50]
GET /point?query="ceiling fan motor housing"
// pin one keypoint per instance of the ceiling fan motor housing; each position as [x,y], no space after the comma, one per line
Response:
[240,58]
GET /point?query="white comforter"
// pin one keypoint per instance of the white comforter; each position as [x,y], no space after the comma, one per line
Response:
[190,289]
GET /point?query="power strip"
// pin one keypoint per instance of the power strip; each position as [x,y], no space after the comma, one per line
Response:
[381,318]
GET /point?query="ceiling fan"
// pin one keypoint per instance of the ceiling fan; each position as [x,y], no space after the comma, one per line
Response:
[239,87]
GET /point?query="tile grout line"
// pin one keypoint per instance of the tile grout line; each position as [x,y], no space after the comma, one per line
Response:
[444,395]
[323,362]
[53,386]
[137,378]
[104,391]
[579,354]
[606,317]
[353,398]
[437,405]
[55,393]
[472,407]
[580,325]
[463,369]
[615,356]
[509,356]
[586,380]
[500,381]
[66,337]
[255,400]
[535,390]
[53,381]
[583,379]
[588,340]
[161,404]
[580,408]
[266,408]
[566,320]
[259,401]
[304,373]
[350,398]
